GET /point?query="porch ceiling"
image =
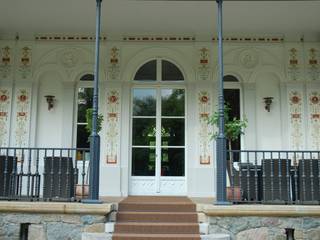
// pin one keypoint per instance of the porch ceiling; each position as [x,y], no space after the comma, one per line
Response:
[291,19]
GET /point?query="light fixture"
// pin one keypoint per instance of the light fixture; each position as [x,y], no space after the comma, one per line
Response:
[267,103]
[50,100]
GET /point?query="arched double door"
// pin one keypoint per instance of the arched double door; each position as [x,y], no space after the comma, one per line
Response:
[158,110]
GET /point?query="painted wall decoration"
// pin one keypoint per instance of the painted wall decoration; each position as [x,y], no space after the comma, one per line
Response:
[113,126]
[25,62]
[5,111]
[314,118]
[205,130]
[296,120]
[114,64]
[249,58]
[22,117]
[313,64]
[5,62]
[293,65]
[203,65]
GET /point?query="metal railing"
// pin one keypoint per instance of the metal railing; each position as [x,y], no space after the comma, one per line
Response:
[275,177]
[50,174]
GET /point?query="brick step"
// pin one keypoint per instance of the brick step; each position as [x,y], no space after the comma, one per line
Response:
[182,217]
[124,236]
[157,228]
[157,206]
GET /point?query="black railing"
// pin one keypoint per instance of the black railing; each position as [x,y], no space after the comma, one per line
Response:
[276,177]
[50,174]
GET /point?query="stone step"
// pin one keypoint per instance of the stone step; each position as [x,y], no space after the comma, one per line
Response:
[157,206]
[126,236]
[157,228]
[182,217]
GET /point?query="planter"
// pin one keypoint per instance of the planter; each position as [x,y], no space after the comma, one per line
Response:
[234,194]
[82,190]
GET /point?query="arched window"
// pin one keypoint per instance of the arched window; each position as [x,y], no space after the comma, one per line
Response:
[230,78]
[159,70]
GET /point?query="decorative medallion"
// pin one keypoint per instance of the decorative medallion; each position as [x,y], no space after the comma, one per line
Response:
[248,59]
[25,62]
[314,119]
[204,108]
[5,106]
[23,104]
[313,65]
[5,62]
[69,59]
[204,69]
[293,68]
[296,116]
[113,126]
[114,68]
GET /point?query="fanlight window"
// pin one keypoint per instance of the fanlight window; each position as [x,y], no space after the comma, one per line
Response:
[230,78]
[87,77]
[155,69]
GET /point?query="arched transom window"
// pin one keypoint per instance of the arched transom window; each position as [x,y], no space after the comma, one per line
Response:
[158,70]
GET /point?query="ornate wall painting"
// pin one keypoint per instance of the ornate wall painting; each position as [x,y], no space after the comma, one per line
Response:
[22,117]
[6,62]
[249,58]
[293,64]
[113,126]
[114,64]
[5,111]
[295,103]
[203,65]
[205,130]
[25,62]
[314,118]
[313,67]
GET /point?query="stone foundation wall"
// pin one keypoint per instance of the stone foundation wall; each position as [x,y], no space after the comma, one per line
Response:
[265,228]
[50,226]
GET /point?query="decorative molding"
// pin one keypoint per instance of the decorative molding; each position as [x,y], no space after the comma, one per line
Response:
[113,126]
[205,130]
[296,103]
[66,38]
[314,118]
[5,62]
[203,65]
[25,62]
[251,39]
[159,39]
[313,64]
[114,68]
[22,117]
[69,58]
[293,64]
[5,111]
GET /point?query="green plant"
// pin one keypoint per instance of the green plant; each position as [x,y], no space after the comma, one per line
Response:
[233,127]
[89,114]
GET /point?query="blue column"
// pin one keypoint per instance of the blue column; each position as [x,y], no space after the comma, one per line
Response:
[221,198]
[95,138]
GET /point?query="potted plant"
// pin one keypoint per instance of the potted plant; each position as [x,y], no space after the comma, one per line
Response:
[82,190]
[233,129]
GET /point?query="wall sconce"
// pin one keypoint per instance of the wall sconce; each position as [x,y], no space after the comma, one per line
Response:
[50,100]
[267,103]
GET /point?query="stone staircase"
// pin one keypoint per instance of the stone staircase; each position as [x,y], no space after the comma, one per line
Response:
[155,218]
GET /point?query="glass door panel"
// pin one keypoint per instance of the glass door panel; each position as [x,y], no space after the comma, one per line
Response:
[143,161]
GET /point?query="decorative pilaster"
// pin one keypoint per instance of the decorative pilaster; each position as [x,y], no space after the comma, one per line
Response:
[294,64]
[5,111]
[203,64]
[314,118]
[113,126]
[205,130]
[313,67]
[24,67]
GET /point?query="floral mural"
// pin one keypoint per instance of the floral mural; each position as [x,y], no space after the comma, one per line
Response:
[296,118]
[313,65]
[203,69]
[204,106]
[114,68]
[5,106]
[112,126]
[25,62]
[5,62]
[22,120]
[293,67]
[314,119]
